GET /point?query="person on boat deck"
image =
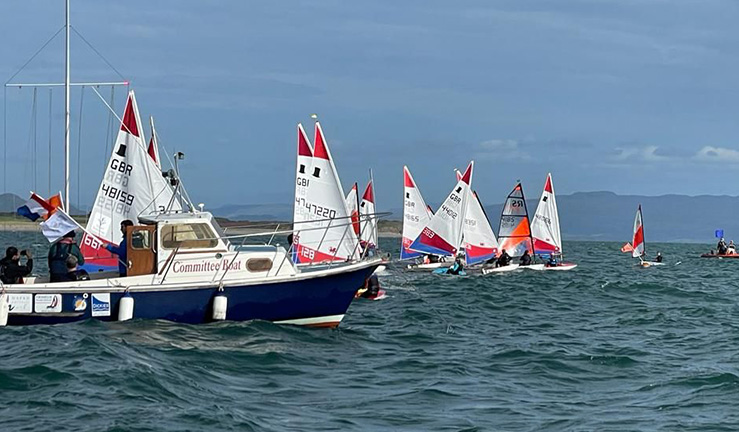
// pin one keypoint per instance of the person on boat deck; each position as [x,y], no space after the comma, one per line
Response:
[503,260]
[658,258]
[525,258]
[11,270]
[552,262]
[731,249]
[73,273]
[58,253]
[121,249]
[721,247]
[371,286]
[456,268]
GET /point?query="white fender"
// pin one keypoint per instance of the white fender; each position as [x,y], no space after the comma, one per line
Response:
[4,309]
[220,304]
[125,307]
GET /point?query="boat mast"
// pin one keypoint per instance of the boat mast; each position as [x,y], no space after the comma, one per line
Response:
[66,113]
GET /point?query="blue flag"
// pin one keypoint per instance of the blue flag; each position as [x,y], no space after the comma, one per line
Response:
[719,233]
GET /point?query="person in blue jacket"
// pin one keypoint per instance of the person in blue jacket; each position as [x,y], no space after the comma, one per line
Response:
[121,250]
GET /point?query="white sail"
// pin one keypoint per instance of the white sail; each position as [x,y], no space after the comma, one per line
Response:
[302,179]
[443,234]
[416,215]
[545,225]
[132,186]
[368,228]
[638,240]
[329,235]
[480,243]
[352,207]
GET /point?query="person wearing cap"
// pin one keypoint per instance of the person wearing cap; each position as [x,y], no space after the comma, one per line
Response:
[122,249]
[58,253]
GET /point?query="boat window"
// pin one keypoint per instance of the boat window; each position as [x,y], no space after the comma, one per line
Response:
[258,264]
[141,239]
[188,236]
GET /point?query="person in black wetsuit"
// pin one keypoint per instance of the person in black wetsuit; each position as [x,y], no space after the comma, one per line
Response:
[371,287]
[721,247]
[11,271]
[525,259]
[503,260]
[658,258]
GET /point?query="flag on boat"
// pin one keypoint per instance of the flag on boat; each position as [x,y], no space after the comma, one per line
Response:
[443,234]
[545,225]
[416,215]
[514,231]
[36,207]
[57,225]
[626,248]
[719,233]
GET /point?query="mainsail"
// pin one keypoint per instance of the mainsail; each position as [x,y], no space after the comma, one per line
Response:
[443,234]
[352,206]
[638,241]
[545,225]
[480,243]
[329,235]
[416,214]
[132,186]
[153,149]
[302,179]
[369,220]
[514,232]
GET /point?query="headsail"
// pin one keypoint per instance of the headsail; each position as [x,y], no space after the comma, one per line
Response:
[638,241]
[443,234]
[480,243]
[369,220]
[329,235]
[545,225]
[132,186]
[416,214]
[352,206]
[514,232]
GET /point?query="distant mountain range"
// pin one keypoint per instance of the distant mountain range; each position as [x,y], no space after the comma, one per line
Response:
[602,216]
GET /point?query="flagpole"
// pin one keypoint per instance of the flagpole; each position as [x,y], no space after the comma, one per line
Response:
[66,113]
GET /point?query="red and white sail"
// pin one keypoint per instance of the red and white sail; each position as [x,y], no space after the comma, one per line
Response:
[545,225]
[443,234]
[303,169]
[416,214]
[352,206]
[638,240]
[480,243]
[368,231]
[329,234]
[153,148]
[132,186]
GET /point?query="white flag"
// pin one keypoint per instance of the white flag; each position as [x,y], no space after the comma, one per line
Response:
[57,225]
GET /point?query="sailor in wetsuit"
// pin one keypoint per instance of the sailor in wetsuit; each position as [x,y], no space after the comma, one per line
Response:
[721,247]
[503,260]
[525,259]
[552,262]
[371,287]
[658,258]
[456,268]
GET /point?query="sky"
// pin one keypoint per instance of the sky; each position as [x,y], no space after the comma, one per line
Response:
[629,96]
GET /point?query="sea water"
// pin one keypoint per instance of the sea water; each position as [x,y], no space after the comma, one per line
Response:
[607,346]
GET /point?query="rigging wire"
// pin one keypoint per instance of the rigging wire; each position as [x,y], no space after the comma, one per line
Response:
[50,130]
[110,65]
[34,55]
[109,130]
[79,147]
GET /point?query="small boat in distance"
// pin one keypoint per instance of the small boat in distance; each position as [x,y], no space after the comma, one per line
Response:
[638,247]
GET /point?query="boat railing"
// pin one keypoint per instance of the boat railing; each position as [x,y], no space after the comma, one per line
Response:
[241,242]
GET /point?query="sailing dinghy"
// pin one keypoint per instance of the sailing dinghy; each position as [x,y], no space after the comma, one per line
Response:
[514,232]
[637,247]
[443,234]
[416,215]
[545,230]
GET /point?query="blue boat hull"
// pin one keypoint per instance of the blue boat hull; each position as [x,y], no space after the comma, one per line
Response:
[319,301]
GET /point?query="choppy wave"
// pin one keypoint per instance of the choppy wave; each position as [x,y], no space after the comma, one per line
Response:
[606,346]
